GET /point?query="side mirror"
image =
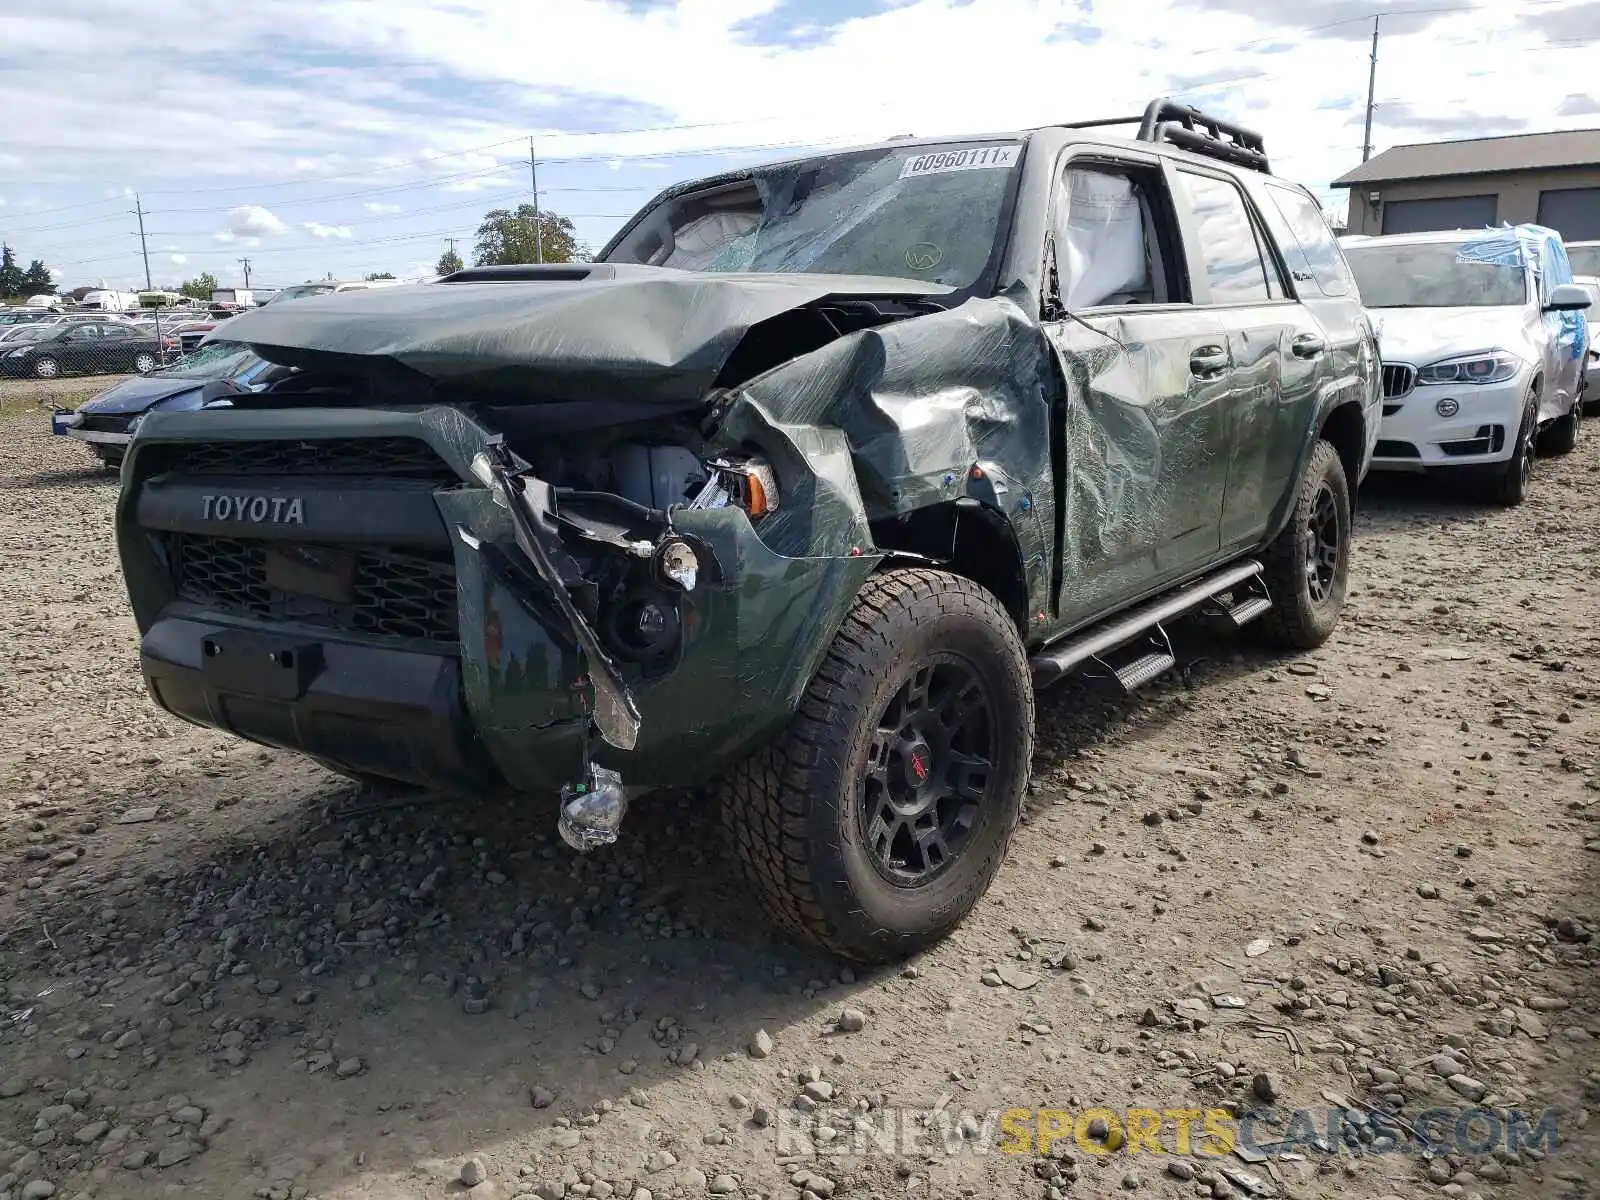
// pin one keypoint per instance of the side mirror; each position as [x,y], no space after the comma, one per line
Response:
[1568,297]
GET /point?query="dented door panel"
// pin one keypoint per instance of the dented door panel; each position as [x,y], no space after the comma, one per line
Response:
[1145,437]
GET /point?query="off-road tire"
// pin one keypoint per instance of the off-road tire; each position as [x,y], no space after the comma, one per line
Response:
[1508,487]
[1299,619]
[1562,435]
[792,810]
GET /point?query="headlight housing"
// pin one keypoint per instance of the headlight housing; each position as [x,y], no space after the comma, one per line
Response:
[1497,366]
[18,353]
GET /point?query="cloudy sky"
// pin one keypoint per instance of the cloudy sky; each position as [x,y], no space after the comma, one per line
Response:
[349,136]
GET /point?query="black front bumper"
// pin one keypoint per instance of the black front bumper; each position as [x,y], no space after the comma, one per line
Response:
[373,710]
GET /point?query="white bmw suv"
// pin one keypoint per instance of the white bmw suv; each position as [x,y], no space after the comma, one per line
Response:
[1482,334]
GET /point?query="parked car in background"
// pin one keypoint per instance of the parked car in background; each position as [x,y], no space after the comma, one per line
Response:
[28,316]
[1591,358]
[324,287]
[1585,258]
[88,348]
[1482,335]
[107,423]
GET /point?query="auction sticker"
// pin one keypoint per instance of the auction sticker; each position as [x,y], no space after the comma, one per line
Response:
[972,158]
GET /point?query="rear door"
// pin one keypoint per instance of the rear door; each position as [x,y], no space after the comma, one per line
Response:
[1143,439]
[76,347]
[1276,347]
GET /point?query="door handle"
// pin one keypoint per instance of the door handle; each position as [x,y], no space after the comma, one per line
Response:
[1308,345]
[1208,361]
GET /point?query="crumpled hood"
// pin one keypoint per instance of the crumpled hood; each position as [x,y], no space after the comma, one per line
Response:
[138,393]
[1420,336]
[621,333]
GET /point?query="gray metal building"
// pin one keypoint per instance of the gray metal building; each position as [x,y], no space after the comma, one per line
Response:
[1549,178]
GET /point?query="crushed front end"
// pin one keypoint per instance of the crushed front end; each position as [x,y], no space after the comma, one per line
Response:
[420,593]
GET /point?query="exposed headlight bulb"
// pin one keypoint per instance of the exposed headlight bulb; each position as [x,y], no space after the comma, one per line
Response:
[677,563]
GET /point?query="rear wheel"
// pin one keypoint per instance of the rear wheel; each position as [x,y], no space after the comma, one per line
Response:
[1307,567]
[144,363]
[872,825]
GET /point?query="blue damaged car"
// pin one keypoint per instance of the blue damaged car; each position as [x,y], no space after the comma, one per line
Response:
[107,423]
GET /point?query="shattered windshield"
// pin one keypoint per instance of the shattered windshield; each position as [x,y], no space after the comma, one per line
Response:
[219,360]
[1433,275]
[931,213]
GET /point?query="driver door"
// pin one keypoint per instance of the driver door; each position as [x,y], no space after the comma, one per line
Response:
[1143,437]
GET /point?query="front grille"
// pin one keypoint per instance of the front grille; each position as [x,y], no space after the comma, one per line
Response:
[394,594]
[1388,449]
[1398,380]
[106,423]
[385,456]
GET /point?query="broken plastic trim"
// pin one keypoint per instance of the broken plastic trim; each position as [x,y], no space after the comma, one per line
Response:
[615,715]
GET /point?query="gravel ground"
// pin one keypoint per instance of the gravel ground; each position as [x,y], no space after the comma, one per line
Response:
[1362,878]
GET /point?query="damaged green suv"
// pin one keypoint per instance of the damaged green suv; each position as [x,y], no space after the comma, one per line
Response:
[797,493]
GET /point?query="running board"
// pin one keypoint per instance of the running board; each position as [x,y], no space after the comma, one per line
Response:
[1055,662]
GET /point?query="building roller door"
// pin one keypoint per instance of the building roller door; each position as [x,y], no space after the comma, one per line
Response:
[1448,212]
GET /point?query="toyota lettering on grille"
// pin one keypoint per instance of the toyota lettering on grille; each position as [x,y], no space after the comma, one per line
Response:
[258,510]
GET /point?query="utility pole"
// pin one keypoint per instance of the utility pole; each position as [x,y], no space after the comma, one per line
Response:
[138,211]
[1372,89]
[245,263]
[538,233]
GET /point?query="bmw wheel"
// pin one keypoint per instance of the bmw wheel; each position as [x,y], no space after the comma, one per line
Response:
[1508,486]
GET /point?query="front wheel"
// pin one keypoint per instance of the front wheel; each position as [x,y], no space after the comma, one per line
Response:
[1508,487]
[46,368]
[874,822]
[1307,567]
[1562,436]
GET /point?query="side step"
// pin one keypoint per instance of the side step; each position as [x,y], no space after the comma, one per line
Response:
[1053,663]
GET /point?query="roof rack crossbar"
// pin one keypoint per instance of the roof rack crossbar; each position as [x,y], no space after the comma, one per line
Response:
[1189,128]
[1102,122]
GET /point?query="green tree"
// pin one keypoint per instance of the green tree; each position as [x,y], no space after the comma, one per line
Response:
[200,287]
[449,263]
[36,280]
[10,273]
[379,275]
[508,237]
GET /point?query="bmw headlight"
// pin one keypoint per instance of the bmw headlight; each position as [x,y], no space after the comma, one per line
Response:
[1495,367]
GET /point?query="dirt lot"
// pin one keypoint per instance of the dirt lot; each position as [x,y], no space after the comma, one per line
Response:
[1368,874]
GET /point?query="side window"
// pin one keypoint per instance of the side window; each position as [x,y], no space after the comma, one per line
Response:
[1306,241]
[1227,241]
[1112,247]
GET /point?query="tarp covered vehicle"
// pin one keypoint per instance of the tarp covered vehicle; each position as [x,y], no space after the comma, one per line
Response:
[798,492]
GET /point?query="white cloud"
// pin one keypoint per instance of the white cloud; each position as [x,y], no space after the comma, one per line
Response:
[318,230]
[378,208]
[253,221]
[179,259]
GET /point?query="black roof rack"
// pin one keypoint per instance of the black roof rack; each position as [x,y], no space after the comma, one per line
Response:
[1192,130]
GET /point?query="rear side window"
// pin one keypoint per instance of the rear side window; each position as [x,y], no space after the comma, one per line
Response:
[1228,244]
[1297,222]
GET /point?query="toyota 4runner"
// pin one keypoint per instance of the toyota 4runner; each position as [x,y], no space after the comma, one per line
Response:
[799,491]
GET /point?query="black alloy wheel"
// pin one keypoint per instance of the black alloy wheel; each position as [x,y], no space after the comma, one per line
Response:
[928,771]
[1324,545]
